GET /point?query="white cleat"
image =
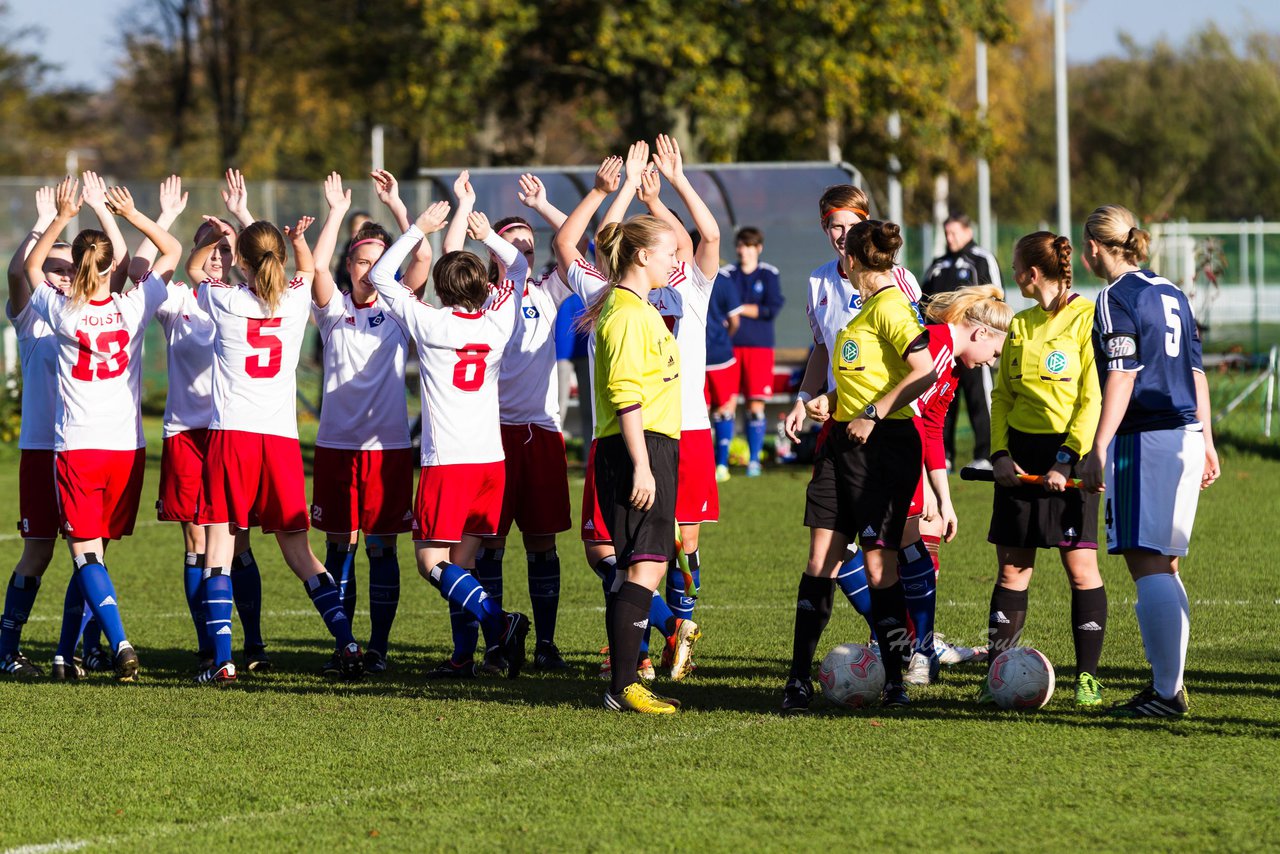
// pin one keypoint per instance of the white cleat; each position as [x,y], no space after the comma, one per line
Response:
[687,634]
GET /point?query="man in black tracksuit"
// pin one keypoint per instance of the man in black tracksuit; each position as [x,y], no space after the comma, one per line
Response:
[965,264]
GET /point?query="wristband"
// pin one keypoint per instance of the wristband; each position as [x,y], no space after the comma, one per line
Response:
[804,397]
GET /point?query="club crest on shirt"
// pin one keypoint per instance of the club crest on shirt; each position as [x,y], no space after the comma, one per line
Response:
[377,319]
[531,312]
[855,304]
[1121,346]
[1055,362]
[849,351]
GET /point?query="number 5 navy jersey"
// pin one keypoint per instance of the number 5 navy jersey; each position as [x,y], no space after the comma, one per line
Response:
[1144,324]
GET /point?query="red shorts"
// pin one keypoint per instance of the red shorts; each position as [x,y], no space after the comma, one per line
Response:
[594,527]
[755,366]
[722,385]
[369,491]
[37,496]
[917,500]
[251,479]
[182,476]
[99,491]
[697,498]
[464,498]
[536,496]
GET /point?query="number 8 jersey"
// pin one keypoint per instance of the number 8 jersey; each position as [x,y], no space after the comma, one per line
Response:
[99,365]
[255,357]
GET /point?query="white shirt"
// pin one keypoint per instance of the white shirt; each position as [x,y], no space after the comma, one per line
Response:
[255,357]
[364,356]
[459,356]
[100,365]
[38,351]
[188,333]
[528,391]
[833,302]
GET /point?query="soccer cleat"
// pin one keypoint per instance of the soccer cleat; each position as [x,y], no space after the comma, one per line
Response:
[374,662]
[645,670]
[796,696]
[204,660]
[921,669]
[351,660]
[126,665]
[332,669]
[256,659]
[97,660]
[221,676]
[894,696]
[1088,690]
[1148,704]
[19,666]
[66,671]
[450,669]
[951,654]
[637,698]
[754,470]
[512,644]
[494,662]
[722,474]
[546,656]
[686,635]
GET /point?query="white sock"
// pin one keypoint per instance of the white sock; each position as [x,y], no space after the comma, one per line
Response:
[1164,618]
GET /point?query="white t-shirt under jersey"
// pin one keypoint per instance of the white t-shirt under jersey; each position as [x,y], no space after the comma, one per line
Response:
[459,358]
[365,346]
[255,357]
[100,365]
[528,391]
[833,302]
[38,351]
[188,331]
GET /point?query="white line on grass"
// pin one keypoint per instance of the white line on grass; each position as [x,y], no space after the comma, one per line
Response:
[50,847]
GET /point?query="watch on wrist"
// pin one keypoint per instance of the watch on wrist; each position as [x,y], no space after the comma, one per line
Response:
[870,412]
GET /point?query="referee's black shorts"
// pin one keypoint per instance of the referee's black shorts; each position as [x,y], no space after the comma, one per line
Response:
[638,535]
[1030,516]
[865,491]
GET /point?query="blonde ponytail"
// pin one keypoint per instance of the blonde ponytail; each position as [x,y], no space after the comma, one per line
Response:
[260,249]
[979,305]
[616,247]
[92,254]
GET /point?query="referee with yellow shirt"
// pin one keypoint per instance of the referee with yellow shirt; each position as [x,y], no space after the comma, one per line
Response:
[867,470]
[1044,412]
[637,395]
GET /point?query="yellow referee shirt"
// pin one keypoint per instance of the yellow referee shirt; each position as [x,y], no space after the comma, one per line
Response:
[870,353]
[637,364]
[1047,382]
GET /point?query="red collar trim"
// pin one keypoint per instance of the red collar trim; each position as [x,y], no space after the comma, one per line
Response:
[106,301]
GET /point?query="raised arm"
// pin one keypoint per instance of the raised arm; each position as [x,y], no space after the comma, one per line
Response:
[303,261]
[565,243]
[236,198]
[120,202]
[172,203]
[218,229]
[651,195]
[667,158]
[95,196]
[383,275]
[512,259]
[322,286]
[636,164]
[419,269]
[456,237]
[533,195]
[46,212]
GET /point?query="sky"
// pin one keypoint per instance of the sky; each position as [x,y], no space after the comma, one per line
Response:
[86,44]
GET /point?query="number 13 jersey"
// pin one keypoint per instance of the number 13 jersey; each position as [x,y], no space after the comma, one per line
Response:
[255,357]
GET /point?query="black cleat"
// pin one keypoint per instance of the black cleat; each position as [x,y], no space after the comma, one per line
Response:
[332,669]
[894,696]
[374,662]
[351,660]
[204,660]
[449,669]
[126,665]
[546,656]
[796,696]
[18,666]
[512,643]
[66,671]
[256,659]
[221,676]
[494,662]
[97,660]
[1148,704]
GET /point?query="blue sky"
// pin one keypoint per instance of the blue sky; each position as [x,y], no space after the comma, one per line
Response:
[86,42]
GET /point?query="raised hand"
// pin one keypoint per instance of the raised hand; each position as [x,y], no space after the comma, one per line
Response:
[235,196]
[463,190]
[637,161]
[609,175]
[338,199]
[172,200]
[95,191]
[433,218]
[532,193]
[219,228]
[46,204]
[477,226]
[386,186]
[666,157]
[120,201]
[68,199]
[650,186]
[297,231]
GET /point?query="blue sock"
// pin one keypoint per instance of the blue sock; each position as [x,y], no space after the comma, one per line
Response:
[218,602]
[606,569]
[18,600]
[101,595]
[325,595]
[193,585]
[544,593]
[660,616]
[90,628]
[340,560]
[682,605]
[462,589]
[465,631]
[384,591]
[852,578]
[72,615]
[919,585]
[723,426]
[246,588]
[755,435]
[488,572]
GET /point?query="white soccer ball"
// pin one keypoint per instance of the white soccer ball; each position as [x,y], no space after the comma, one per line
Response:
[851,676]
[1021,678]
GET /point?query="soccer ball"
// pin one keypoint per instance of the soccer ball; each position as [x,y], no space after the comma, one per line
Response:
[1021,678]
[851,676]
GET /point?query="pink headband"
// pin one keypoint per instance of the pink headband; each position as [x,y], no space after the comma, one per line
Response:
[510,226]
[367,240]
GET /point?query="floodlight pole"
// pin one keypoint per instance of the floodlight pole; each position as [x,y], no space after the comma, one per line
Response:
[1060,83]
[985,237]
[895,169]
[376,148]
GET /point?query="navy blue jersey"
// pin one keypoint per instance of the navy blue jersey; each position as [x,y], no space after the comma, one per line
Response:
[763,288]
[1144,323]
[725,303]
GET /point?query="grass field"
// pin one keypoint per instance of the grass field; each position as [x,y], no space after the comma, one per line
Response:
[288,761]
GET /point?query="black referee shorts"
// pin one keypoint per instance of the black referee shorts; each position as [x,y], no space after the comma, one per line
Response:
[1030,516]
[865,491]
[638,535]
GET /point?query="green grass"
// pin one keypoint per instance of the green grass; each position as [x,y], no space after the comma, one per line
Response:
[288,761]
